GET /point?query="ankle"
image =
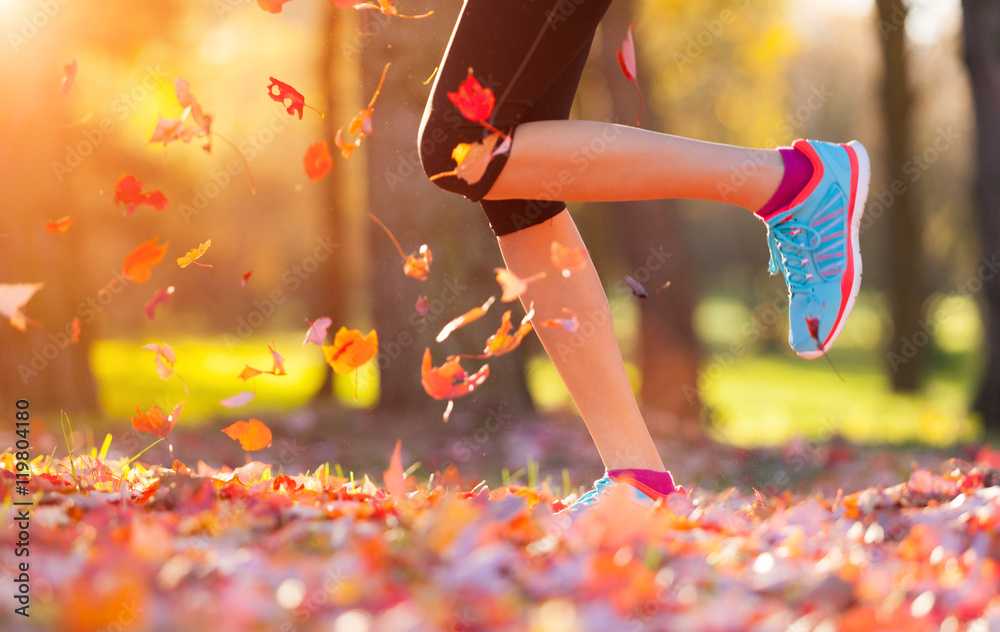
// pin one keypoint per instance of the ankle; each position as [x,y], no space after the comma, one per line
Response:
[654,483]
[797,172]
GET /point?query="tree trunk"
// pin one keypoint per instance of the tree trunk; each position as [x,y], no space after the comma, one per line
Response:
[464,250]
[908,293]
[982,55]
[652,240]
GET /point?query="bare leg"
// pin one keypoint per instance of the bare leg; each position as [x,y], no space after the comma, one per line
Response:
[590,161]
[593,372]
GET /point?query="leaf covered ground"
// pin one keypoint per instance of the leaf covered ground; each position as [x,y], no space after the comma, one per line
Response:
[208,547]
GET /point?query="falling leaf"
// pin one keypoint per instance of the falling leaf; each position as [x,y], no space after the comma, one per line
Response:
[128,191]
[512,285]
[387,8]
[317,330]
[248,373]
[69,76]
[279,91]
[246,277]
[279,362]
[626,58]
[60,225]
[252,434]
[75,328]
[194,254]
[502,341]
[164,358]
[169,130]
[812,324]
[182,90]
[637,288]
[393,477]
[155,422]
[272,6]
[361,124]
[417,265]
[473,100]
[473,158]
[13,297]
[473,314]
[450,381]
[317,160]
[240,399]
[570,324]
[138,264]
[161,297]
[350,350]
[423,306]
[568,260]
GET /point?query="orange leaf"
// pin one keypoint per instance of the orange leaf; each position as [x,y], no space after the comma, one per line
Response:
[279,362]
[568,260]
[473,314]
[272,6]
[75,327]
[450,381]
[248,373]
[419,267]
[570,324]
[128,191]
[361,124]
[473,100]
[513,285]
[12,298]
[393,477]
[155,422]
[194,254]
[473,158]
[138,263]
[252,434]
[60,225]
[350,350]
[387,8]
[317,160]
[502,341]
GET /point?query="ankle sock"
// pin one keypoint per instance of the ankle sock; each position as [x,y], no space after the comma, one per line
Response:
[798,172]
[652,483]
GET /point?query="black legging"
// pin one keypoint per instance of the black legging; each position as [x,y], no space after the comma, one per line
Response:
[531,53]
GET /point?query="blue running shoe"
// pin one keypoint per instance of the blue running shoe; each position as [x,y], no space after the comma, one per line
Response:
[645,498]
[814,244]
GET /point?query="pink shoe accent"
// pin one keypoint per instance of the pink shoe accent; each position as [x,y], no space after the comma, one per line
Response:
[798,174]
[652,483]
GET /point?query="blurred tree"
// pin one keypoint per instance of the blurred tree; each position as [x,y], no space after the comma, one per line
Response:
[464,249]
[651,232]
[907,292]
[981,22]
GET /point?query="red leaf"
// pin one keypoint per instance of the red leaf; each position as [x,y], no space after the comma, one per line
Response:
[161,297]
[137,264]
[626,58]
[281,92]
[450,381]
[473,100]
[252,434]
[69,76]
[246,277]
[128,191]
[318,160]
[423,306]
[60,225]
[155,422]
[272,6]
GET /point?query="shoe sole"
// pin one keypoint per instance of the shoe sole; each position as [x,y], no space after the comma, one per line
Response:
[859,159]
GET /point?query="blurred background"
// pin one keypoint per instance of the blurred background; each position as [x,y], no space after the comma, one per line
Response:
[707,355]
